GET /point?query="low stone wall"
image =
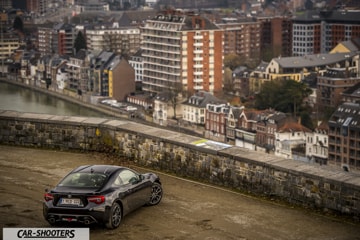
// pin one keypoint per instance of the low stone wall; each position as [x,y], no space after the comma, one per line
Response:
[189,156]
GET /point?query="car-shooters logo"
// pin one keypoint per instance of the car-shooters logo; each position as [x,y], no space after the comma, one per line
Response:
[46,233]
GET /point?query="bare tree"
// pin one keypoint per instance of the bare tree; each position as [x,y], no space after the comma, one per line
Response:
[175,95]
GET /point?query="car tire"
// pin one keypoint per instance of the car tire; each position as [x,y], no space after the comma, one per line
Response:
[114,216]
[156,194]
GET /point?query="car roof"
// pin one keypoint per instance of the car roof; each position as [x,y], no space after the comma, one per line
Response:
[103,169]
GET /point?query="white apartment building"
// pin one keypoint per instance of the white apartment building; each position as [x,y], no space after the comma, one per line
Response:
[113,38]
[136,61]
[180,48]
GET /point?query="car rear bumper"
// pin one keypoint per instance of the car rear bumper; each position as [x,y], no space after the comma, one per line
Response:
[85,216]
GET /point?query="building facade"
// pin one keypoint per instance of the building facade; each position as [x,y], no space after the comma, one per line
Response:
[183,48]
[120,40]
[242,37]
[320,31]
[276,35]
[215,121]
[332,84]
[344,137]
[317,144]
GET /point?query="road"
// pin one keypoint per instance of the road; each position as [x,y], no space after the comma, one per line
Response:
[189,210]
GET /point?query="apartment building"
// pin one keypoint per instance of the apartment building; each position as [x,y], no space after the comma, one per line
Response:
[37,6]
[242,37]
[180,47]
[91,6]
[120,40]
[276,35]
[136,61]
[64,39]
[56,39]
[8,45]
[77,68]
[109,75]
[45,40]
[344,137]
[320,31]
[121,78]
[332,84]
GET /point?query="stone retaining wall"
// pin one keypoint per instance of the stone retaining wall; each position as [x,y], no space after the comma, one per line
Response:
[189,156]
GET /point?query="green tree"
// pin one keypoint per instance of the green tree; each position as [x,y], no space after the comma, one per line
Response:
[232,61]
[18,24]
[283,95]
[80,42]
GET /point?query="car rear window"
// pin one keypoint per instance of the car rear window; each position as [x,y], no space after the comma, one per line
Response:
[83,180]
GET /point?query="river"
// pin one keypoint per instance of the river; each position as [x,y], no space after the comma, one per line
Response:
[21,99]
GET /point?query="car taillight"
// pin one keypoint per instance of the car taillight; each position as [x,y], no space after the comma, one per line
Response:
[48,197]
[96,199]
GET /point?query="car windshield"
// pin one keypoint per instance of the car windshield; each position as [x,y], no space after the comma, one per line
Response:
[83,180]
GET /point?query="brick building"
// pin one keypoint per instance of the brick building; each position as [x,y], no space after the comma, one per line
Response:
[242,37]
[344,137]
[332,84]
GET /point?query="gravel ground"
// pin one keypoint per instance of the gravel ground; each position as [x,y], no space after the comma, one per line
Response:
[189,210]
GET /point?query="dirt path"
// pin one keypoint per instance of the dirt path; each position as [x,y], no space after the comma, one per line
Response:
[189,210]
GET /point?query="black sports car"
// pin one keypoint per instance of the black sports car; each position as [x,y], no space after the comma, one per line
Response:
[100,194]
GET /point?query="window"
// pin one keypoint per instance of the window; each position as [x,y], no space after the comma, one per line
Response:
[84,180]
[127,176]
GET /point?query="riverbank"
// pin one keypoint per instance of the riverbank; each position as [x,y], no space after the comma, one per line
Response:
[94,107]
[93,103]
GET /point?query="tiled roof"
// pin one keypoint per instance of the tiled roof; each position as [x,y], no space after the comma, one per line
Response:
[290,125]
[324,126]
